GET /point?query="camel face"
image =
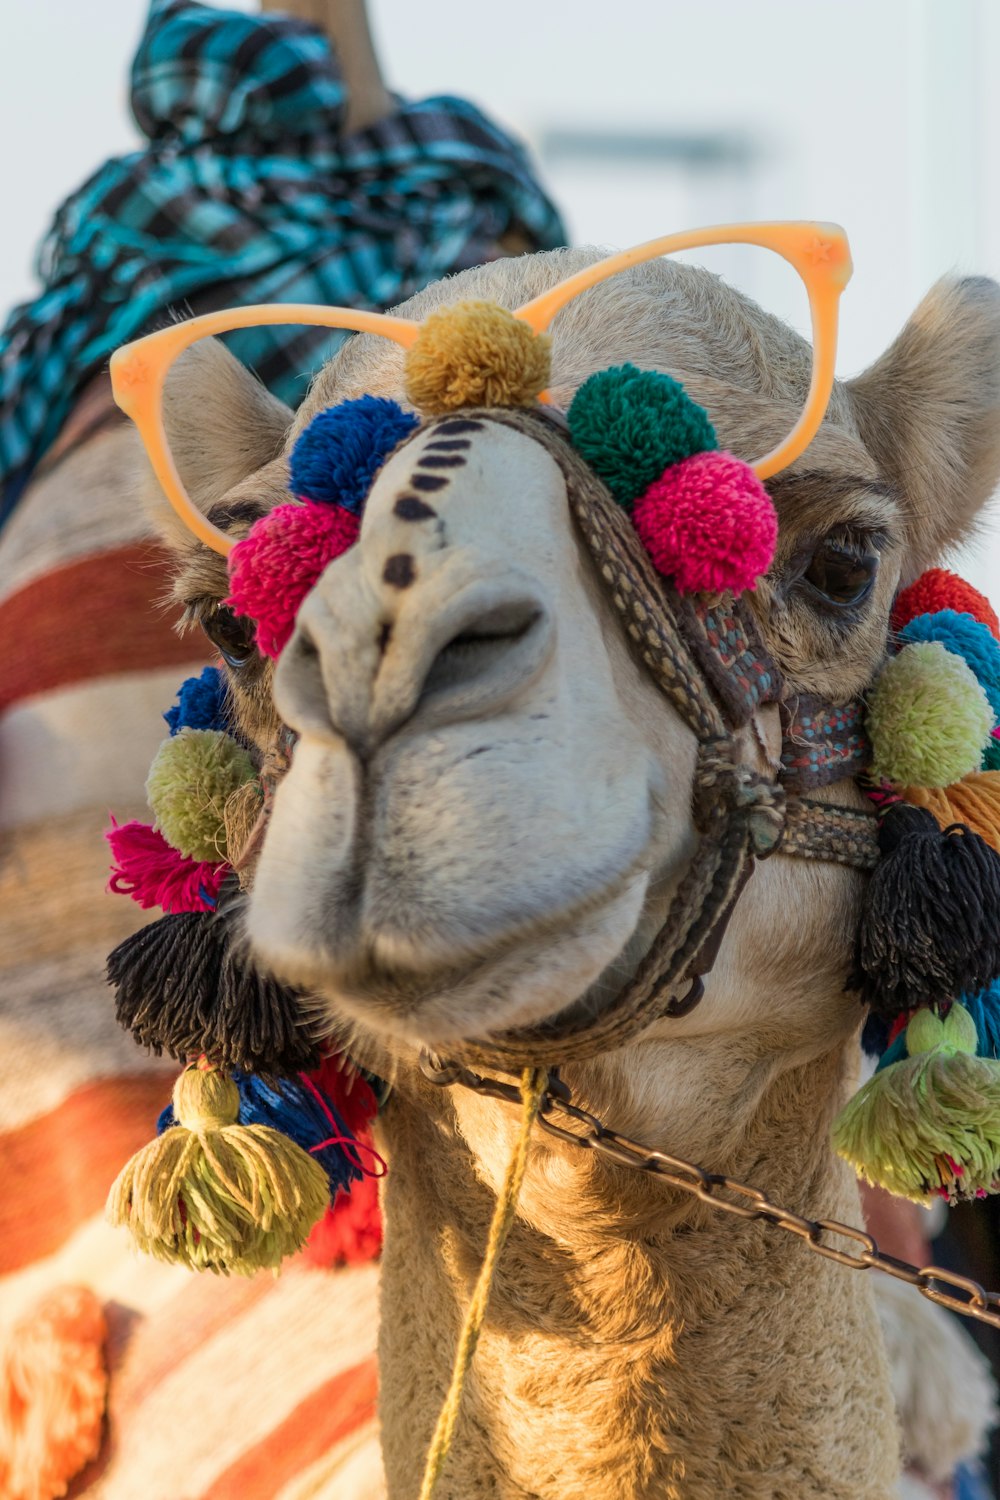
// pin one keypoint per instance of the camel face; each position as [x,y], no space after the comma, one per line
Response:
[489,803]
[477,804]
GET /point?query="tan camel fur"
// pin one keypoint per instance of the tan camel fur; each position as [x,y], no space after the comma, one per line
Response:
[486,815]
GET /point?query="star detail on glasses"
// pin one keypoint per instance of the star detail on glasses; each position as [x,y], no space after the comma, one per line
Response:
[820,251]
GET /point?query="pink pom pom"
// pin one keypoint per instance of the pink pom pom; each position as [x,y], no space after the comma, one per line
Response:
[708,522]
[273,569]
[153,873]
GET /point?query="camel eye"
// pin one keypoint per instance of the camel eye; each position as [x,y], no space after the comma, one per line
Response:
[842,573]
[233,634]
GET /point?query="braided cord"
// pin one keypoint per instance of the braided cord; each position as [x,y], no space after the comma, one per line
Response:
[533,1085]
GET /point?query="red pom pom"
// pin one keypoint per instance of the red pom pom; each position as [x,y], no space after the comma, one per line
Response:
[153,873]
[939,589]
[708,522]
[273,569]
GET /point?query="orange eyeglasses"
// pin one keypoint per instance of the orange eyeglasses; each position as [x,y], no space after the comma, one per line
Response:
[818,252]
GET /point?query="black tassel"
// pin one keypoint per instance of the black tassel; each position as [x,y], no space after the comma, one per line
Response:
[182,989]
[931,925]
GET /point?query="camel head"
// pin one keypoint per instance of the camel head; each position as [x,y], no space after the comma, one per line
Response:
[488,808]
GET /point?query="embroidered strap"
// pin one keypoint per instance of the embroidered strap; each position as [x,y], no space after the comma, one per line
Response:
[821,742]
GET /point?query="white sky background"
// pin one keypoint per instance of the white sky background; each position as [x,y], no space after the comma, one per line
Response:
[874,113]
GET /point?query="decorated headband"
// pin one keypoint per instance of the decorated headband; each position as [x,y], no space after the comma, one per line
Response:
[929,947]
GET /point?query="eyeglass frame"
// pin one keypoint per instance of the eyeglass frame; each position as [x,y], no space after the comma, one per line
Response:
[817,251]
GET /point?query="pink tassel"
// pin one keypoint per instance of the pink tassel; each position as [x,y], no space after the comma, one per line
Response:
[53,1391]
[154,874]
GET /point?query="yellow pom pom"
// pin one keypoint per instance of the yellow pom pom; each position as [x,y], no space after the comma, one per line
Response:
[476,354]
[215,1195]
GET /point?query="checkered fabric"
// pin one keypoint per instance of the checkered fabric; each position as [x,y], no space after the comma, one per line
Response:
[246,191]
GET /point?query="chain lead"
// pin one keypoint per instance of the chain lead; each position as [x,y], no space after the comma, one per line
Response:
[560,1117]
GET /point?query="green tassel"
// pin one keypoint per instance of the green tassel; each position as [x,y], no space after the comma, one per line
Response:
[215,1195]
[929,1124]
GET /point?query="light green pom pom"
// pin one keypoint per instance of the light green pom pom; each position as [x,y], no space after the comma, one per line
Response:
[193,775]
[928,718]
[931,1121]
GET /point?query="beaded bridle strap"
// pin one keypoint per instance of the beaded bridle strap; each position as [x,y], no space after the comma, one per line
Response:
[709,662]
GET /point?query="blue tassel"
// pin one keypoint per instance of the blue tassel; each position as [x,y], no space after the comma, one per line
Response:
[291,1107]
[338,455]
[894,1053]
[201,703]
[984,1008]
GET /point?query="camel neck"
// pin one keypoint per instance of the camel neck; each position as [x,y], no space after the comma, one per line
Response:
[637,1344]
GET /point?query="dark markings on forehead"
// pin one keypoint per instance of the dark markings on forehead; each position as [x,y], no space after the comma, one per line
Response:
[458,424]
[225,514]
[412,508]
[448,445]
[428,482]
[399,570]
[442,461]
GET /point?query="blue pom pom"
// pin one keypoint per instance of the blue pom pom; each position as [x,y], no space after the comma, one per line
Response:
[965,637]
[337,457]
[201,703]
[289,1106]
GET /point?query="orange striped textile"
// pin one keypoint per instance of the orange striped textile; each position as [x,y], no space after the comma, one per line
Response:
[264,1388]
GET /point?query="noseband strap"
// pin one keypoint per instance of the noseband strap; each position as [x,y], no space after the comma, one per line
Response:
[709,662]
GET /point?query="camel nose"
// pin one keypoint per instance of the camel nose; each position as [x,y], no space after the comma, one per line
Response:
[362,664]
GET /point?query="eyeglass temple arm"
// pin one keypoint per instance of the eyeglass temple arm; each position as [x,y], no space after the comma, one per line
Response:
[820,254]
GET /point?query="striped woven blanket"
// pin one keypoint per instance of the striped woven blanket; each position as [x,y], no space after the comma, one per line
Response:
[244,191]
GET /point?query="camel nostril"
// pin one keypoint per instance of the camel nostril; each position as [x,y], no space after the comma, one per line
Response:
[485,647]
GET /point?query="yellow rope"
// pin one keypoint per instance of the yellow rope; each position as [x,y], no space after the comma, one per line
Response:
[532,1088]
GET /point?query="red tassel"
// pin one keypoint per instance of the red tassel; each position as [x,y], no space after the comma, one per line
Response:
[349,1233]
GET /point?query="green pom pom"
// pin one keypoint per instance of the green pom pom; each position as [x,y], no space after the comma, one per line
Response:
[931,1122]
[192,777]
[630,425]
[928,718]
[991,755]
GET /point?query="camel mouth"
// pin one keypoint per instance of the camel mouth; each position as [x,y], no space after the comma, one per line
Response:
[401,947]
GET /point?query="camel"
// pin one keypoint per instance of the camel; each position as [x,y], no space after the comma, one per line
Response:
[487,811]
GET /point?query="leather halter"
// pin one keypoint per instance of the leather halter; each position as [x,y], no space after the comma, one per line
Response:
[709,662]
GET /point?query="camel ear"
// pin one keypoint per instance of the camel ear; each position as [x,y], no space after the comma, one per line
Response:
[222,423]
[928,411]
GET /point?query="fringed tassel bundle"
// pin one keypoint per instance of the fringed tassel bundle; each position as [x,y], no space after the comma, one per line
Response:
[246,1166]
[213,1194]
[929,1122]
[930,928]
[184,987]
[928,951]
